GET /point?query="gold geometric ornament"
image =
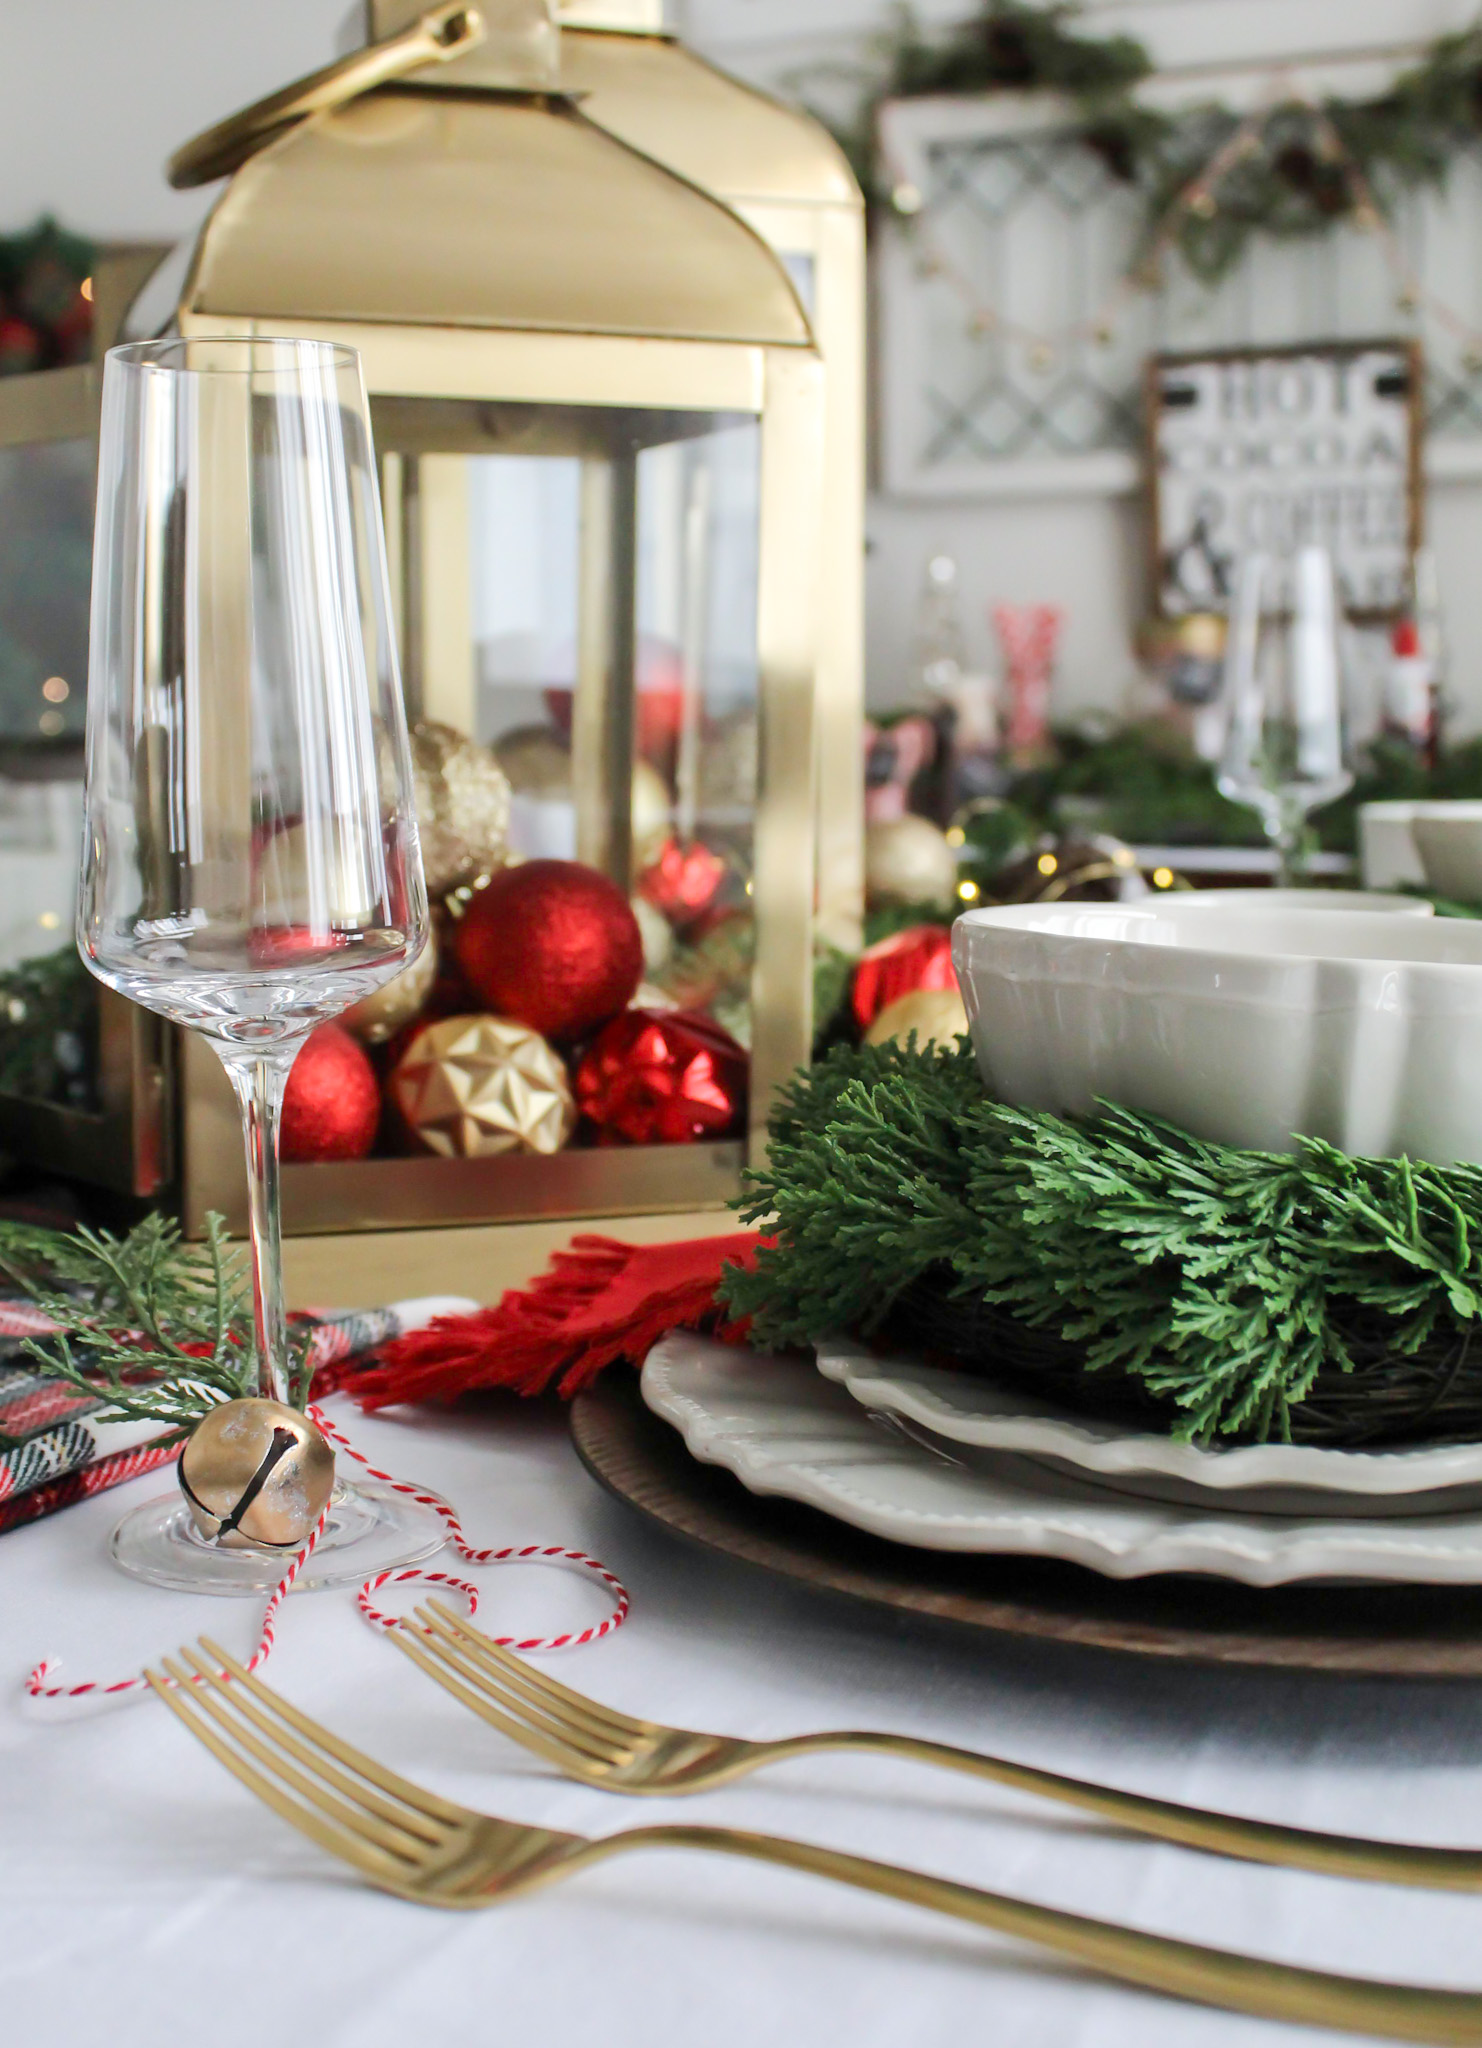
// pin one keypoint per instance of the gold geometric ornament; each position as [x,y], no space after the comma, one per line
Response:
[472,1087]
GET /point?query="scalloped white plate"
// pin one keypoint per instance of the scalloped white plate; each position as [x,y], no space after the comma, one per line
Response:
[782,1429]
[1288,1479]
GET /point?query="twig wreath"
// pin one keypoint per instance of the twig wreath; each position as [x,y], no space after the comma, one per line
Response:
[1117,1264]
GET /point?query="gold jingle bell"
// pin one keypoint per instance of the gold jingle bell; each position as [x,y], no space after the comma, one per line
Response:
[256,1475]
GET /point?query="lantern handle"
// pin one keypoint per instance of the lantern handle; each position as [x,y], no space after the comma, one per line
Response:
[440,35]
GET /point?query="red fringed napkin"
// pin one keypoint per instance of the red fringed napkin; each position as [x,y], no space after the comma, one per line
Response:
[601,1300]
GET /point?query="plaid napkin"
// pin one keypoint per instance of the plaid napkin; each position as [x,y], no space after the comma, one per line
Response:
[58,1449]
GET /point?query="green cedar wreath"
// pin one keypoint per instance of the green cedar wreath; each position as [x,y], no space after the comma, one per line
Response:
[1116,1264]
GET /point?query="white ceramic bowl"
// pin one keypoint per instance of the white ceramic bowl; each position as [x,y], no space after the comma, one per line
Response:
[1298,899]
[1364,1029]
[1448,838]
[1388,856]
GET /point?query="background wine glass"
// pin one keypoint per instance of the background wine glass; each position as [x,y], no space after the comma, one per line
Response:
[1285,744]
[250,857]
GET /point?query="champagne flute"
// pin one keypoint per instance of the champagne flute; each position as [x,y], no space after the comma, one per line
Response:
[1284,752]
[250,856]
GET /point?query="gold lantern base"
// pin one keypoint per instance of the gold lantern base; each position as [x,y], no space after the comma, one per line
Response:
[366,1270]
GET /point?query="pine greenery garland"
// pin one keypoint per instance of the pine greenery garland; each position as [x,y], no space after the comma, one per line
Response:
[1236,1294]
[1408,136]
[158,1329]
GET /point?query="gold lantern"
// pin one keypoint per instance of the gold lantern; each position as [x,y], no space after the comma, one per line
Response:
[606,441]
[787,178]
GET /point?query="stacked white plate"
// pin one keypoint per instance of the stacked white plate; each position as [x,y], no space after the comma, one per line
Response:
[943,1461]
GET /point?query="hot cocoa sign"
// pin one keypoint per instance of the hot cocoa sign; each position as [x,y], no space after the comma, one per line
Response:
[1266,451]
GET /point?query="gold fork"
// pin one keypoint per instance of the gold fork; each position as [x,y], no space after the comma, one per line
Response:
[600,1746]
[411,1842]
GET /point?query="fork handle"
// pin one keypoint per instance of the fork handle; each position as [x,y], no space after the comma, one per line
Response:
[1255,1841]
[1156,1962]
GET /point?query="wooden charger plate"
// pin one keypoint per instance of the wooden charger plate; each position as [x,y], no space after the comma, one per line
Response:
[1393,1631]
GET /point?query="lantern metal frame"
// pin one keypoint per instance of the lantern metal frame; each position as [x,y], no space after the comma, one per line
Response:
[473,324]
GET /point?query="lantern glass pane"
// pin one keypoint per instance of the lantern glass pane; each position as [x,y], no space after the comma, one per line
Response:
[46,561]
[579,592]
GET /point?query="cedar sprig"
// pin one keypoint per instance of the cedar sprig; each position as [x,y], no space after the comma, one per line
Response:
[157,1328]
[1229,1286]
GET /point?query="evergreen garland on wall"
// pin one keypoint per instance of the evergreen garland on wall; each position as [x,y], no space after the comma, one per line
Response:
[1291,184]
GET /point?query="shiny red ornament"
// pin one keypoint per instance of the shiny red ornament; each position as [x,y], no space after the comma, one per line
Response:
[669,1077]
[551,944]
[918,958]
[683,881]
[333,1105]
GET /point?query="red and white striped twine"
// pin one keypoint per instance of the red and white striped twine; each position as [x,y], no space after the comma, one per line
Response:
[529,1553]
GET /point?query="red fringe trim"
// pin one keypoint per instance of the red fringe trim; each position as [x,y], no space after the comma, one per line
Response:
[601,1300]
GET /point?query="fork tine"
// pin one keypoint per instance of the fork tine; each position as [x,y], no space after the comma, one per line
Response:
[401,1823]
[548,1692]
[482,1702]
[350,1848]
[524,1702]
[401,1848]
[416,1796]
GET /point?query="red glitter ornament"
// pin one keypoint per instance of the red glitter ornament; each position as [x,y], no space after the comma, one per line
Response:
[683,881]
[668,1077]
[551,944]
[918,958]
[333,1104]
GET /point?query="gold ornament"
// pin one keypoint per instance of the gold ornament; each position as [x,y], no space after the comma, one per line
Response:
[256,1475]
[908,860]
[380,1015]
[472,1087]
[653,814]
[538,764]
[342,891]
[462,798]
[935,1015]
[657,934]
[728,756]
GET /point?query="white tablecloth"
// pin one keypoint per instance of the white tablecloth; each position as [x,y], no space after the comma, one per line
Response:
[146,1900]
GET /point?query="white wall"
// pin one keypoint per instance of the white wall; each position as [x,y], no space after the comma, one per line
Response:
[94,94]
[1087,554]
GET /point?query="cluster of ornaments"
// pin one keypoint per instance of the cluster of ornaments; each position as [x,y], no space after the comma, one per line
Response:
[527,1024]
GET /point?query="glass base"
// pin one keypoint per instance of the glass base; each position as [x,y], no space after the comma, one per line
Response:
[370,1527]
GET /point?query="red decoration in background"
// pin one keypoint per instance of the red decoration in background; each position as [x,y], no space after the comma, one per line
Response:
[333,1104]
[1029,634]
[919,957]
[666,1077]
[894,756]
[683,881]
[551,944]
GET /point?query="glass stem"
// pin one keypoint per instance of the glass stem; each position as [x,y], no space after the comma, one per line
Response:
[1285,832]
[259,1077]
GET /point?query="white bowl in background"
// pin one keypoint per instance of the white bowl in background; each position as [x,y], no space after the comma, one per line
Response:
[1299,899]
[1448,839]
[1388,856]
[1246,1027]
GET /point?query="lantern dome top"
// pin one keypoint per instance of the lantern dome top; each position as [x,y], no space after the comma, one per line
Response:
[644,86]
[483,210]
